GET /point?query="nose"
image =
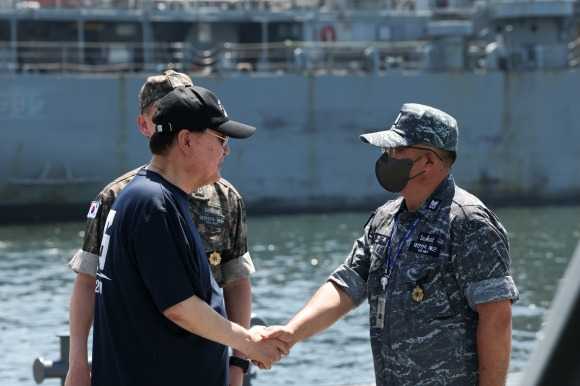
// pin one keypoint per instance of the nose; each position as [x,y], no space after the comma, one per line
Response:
[227,149]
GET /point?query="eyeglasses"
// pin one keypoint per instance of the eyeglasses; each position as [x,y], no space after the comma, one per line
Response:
[390,151]
[224,139]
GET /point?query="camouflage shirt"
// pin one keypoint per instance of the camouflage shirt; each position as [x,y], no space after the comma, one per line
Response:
[455,257]
[218,213]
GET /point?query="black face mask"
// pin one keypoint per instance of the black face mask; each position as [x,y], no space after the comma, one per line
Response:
[393,174]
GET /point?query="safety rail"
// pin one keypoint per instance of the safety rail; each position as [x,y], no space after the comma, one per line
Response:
[283,57]
[163,5]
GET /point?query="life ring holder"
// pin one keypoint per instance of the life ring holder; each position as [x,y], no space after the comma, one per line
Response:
[328,33]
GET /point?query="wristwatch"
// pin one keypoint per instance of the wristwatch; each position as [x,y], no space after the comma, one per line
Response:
[244,364]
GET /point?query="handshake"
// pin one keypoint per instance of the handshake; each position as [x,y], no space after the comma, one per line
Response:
[266,345]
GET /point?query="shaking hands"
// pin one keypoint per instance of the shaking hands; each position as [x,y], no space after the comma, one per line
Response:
[269,344]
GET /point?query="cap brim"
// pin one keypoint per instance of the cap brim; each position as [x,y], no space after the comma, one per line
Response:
[387,138]
[235,129]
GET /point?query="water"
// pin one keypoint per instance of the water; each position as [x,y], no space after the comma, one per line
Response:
[293,257]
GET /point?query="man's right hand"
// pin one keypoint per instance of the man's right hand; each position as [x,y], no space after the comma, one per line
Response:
[265,353]
[283,333]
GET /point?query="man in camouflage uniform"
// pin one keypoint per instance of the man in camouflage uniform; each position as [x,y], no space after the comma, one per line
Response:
[433,265]
[220,217]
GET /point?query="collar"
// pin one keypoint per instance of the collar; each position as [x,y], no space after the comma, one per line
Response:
[200,194]
[207,194]
[438,199]
[432,206]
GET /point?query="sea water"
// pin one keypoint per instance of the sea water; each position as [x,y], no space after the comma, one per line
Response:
[293,255]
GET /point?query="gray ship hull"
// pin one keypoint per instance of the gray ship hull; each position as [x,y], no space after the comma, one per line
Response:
[64,137]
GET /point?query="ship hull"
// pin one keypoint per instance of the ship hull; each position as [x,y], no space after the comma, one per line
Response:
[64,137]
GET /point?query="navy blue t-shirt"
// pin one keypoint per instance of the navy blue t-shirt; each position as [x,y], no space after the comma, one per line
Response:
[151,259]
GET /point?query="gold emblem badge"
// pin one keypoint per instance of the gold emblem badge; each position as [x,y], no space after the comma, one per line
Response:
[417,294]
[215,258]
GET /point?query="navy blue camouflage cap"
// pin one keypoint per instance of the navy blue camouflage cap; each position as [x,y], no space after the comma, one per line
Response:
[418,124]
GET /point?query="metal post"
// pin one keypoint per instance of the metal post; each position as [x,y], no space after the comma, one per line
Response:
[148,45]
[264,61]
[81,38]
[14,44]
[42,368]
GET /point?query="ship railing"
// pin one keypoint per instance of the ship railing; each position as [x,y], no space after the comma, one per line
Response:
[163,5]
[329,57]
[235,5]
[65,57]
[285,57]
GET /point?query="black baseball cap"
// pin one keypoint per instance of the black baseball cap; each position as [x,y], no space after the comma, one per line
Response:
[196,108]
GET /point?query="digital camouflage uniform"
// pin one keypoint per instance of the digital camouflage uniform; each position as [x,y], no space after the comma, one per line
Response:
[218,213]
[456,257]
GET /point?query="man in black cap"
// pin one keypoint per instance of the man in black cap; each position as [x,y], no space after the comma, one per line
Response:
[220,218]
[433,265]
[159,314]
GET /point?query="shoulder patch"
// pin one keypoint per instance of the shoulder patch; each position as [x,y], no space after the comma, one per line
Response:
[94,209]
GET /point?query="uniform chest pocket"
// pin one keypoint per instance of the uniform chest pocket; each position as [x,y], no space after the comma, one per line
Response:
[426,292]
[213,231]
[216,239]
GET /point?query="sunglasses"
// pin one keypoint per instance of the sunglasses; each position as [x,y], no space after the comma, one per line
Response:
[390,151]
[224,139]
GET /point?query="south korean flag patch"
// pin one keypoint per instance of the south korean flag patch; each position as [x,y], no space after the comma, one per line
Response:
[94,209]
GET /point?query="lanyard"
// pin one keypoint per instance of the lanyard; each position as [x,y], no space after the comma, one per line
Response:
[389,266]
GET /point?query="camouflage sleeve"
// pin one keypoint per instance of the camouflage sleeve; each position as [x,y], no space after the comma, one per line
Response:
[482,263]
[240,264]
[352,275]
[87,258]
[84,262]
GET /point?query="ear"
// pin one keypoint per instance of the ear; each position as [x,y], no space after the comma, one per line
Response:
[143,128]
[430,160]
[185,138]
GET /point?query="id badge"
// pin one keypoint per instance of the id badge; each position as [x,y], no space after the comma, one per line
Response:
[380,322]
